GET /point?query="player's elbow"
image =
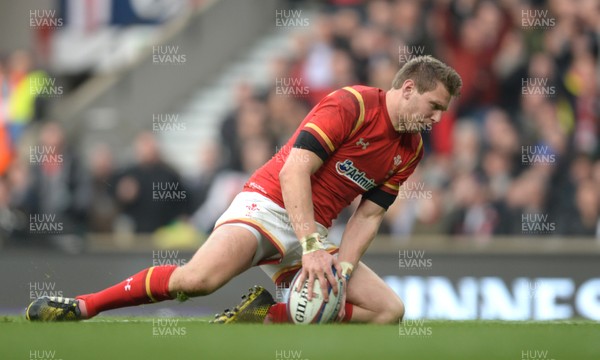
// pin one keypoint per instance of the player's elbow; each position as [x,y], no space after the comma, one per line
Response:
[288,173]
[284,175]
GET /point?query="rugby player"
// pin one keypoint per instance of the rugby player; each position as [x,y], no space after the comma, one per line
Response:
[358,140]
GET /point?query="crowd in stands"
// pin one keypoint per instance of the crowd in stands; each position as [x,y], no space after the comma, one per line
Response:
[518,153]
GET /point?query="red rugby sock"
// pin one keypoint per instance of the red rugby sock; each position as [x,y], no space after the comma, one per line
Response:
[147,286]
[349,307]
[278,313]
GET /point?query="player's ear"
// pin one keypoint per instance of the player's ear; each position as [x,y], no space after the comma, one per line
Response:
[407,88]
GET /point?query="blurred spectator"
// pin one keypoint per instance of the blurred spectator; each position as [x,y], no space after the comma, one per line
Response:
[317,69]
[472,213]
[150,192]
[25,86]
[102,208]
[53,199]
[8,219]
[285,114]
[227,184]
[209,165]
[6,152]
[585,221]
[248,122]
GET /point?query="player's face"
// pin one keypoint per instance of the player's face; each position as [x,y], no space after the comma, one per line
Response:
[418,112]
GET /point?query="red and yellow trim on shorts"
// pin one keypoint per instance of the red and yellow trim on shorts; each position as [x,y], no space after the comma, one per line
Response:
[264,232]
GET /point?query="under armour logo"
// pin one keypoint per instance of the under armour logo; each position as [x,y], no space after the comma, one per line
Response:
[361,142]
[128,285]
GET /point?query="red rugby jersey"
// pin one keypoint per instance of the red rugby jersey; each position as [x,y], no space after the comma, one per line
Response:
[364,152]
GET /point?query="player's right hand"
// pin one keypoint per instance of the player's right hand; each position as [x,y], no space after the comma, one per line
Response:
[318,265]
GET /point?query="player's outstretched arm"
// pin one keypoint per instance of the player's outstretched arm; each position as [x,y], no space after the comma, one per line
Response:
[297,196]
[360,231]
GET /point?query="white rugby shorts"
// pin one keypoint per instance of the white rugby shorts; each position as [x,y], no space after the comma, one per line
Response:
[279,252]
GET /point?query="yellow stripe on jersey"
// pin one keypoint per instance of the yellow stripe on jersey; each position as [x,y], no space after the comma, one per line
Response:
[392,186]
[361,104]
[322,134]
[148,291]
[416,155]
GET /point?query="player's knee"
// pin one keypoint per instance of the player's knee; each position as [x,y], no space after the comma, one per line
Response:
[393,312]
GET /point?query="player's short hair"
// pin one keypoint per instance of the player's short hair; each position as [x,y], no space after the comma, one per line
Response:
[426,71]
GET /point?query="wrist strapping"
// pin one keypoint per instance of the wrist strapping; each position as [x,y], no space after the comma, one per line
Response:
[347,269]
[311,243]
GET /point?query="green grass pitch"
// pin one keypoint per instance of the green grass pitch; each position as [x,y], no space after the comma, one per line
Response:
[183,338]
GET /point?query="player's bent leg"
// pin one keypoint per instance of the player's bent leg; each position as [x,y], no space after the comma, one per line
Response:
[373,300]
[368,299]
[227,253]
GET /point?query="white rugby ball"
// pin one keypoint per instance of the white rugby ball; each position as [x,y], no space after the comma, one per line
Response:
[316,311]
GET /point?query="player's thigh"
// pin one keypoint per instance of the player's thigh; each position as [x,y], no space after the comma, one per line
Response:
[368,291]
[227,252]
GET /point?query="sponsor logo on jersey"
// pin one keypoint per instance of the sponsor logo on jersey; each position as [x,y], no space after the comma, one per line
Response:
[353,173]
[254,185]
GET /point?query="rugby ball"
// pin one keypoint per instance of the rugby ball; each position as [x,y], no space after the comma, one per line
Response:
[316,311]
